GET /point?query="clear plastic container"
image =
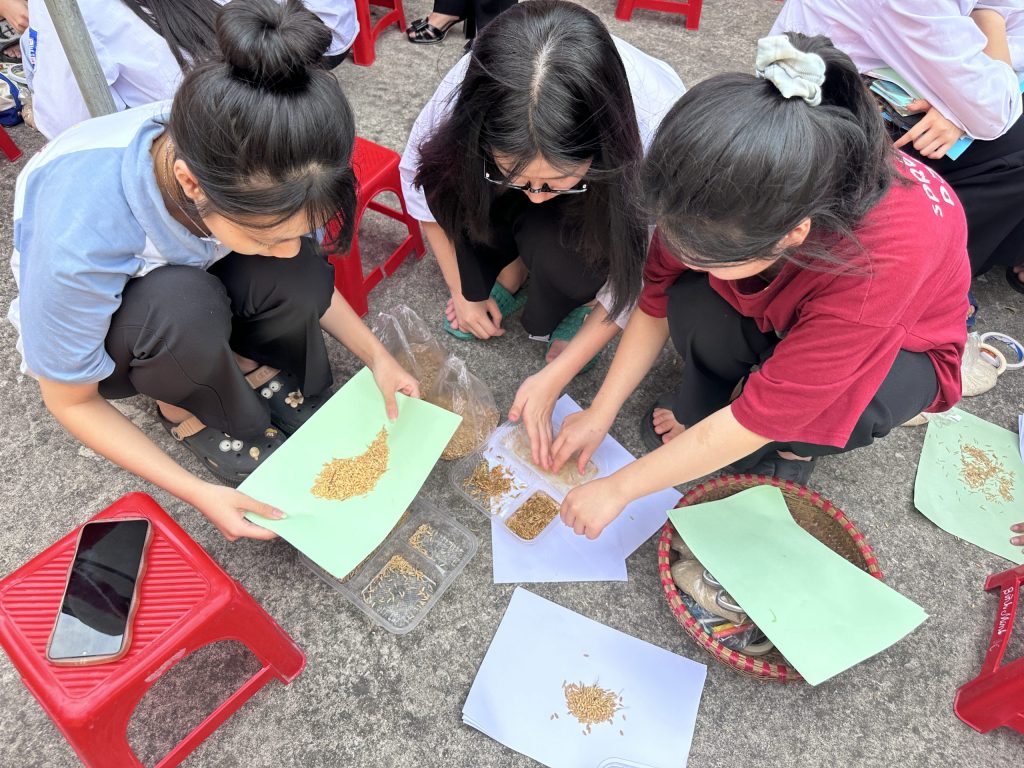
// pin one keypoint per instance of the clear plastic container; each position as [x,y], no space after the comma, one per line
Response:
[509,448]
[402,581]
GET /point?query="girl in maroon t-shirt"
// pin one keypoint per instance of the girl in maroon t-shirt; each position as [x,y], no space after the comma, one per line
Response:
[798,257]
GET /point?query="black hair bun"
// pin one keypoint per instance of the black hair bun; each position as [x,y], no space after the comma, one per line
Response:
[271,45]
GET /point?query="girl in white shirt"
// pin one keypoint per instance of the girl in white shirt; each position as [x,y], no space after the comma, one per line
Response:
[525,164]
[967,58]
[142,47]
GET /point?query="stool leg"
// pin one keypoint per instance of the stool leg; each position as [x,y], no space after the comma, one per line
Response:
[693,14]
[8,146]
[362,47]
[624,10]
[348,277]
[103,740]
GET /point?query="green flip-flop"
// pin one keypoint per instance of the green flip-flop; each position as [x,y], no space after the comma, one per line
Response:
[567,330]
[508,304]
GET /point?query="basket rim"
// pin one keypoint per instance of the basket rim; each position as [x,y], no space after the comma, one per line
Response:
[748,665]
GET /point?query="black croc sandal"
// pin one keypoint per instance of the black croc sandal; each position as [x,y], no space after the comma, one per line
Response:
[422,32]
[230,459]
[652,440]
[289,408]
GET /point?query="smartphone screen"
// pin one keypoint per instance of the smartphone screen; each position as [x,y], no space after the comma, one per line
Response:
[97,607]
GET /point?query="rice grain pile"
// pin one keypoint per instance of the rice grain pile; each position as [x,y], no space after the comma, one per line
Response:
[489,485]
[342,479]
[424,360]
[591,704]
[533,516]
[478,422]
[980,470]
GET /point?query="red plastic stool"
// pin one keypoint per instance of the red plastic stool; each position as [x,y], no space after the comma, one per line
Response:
[363,52]
[376,168]
[8,146]
[185,602]
[996,696]
[691,9]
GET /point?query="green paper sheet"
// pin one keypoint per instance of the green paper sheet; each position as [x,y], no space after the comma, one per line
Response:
[960,450]
[338,535]
[823,613]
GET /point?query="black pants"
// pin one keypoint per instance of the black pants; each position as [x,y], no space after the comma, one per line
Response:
[478,13]
[559,279]
[173,336]
[719,346]
[989,180]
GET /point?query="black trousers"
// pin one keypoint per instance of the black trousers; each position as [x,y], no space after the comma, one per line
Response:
[719,346]
[478,13]
[989,180]
[559,279]
[174,335]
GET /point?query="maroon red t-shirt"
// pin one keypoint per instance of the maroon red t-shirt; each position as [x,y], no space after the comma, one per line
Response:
[842,331]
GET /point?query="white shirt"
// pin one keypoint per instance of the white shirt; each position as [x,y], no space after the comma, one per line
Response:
[934,44]
[136,61]
[653,84]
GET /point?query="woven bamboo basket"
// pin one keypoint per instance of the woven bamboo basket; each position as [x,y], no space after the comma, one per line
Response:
[818,516]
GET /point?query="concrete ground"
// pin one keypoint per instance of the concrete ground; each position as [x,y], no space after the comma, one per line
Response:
[370,698]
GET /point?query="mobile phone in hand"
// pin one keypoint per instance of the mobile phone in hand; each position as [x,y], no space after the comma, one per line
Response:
[95,620]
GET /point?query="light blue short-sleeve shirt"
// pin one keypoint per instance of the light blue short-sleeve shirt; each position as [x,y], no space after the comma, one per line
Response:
[88,217]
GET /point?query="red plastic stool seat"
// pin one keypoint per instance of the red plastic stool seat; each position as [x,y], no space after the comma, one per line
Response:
[690,9]
[376,169]
[996,696]
[363,52]
[185,602]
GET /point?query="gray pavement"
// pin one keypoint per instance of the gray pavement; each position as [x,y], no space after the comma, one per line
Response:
[370,698]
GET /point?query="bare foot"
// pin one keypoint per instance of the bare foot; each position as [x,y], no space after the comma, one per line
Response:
[449,312]
[172,413]
[512,277]
[557,347]
[440,19]
[792,456]
[1019,271]
[665,424]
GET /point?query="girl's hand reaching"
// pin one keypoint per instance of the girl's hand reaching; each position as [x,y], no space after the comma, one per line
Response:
[1017,541]
[392,378]
[225,508]
[589,508]
[934,135]
[581,432]
[534,402]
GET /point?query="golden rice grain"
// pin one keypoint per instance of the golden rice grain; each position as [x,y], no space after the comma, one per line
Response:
[342,479]
[533,516]
[591,704]
[979,469]
[489,485]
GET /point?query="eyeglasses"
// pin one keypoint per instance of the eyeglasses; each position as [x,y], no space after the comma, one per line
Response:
[544,189]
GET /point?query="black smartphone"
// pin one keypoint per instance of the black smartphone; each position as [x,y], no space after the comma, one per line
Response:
[95,620]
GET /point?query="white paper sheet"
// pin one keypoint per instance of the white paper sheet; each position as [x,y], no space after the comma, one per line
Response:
[561,555]
[518,697]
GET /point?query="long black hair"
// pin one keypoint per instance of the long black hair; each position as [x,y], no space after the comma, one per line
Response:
[545,81]
[266,131]
[735,166]
[186,25]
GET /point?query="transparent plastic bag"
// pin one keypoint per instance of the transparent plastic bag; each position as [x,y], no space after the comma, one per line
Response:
[980,367]
[459,391]
[404,334]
